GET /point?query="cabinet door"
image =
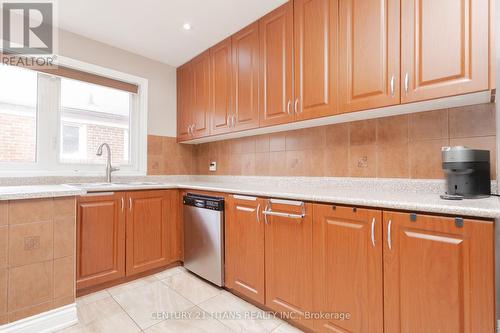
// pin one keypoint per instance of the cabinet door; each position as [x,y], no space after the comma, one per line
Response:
[245,246]
[369,54]
[149,227]
[100,239]
[316,40]
[288,252]
[246,77]
[201,108]
[348,268]
[438,276]
[276,66]
[185,90]
[221,104]
[445,48]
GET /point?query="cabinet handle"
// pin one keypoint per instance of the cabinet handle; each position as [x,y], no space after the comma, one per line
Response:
[123,204]
[407,83]
[373,232]
[265,216]
[392,85]
[258,213]
[288,215]
[130,204]
[269,210]
[234,120]
[389,240]
[296,106]
[288,105]
[193,129]
[229,118]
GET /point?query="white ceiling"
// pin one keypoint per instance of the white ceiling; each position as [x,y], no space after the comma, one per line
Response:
[153,28]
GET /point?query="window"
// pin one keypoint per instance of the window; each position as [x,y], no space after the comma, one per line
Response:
[50,123]
[73,142]
[18,114]
[90,116]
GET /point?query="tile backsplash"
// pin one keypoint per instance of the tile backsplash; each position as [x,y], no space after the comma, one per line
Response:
[406,146]
[167,157]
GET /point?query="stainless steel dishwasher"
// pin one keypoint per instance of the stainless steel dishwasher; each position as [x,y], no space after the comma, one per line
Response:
[204,236]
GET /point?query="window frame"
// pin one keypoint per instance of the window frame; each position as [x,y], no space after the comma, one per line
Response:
[49,134]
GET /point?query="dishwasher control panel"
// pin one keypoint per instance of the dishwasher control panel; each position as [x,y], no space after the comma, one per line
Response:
[201,201]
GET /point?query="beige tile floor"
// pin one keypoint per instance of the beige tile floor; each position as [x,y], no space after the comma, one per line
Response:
[173,301]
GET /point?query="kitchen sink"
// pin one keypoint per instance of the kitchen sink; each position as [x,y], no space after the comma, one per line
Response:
[137,183]
[90,185]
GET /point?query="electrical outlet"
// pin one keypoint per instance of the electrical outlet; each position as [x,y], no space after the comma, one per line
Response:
[212,167]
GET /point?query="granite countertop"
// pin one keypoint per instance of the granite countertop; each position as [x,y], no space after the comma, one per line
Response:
[38,191]
[409,195]
[404,200]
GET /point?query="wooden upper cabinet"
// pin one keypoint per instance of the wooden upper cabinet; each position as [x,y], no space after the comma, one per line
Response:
[201,107]
[149,228]
[438,276]
[316,58]
[276,66]
[246,77]
[221,92]
[369,54]
[348,268]
[185,95]
[245,246]
[100,239]
[289,260]
[445,48]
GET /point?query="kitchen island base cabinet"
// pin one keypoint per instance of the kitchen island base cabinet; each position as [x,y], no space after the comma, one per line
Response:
[347,261]
[438,274]
[245,246]
[100,239]
[289,259]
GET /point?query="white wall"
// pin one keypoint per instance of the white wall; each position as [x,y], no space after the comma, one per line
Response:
[162,77]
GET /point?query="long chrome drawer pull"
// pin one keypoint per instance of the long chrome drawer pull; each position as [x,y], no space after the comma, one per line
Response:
[98,194]
[265,216]
[389,236]
[244,197]
[286,202]
[373,232]
[291,216]
[245,209]
[258,213]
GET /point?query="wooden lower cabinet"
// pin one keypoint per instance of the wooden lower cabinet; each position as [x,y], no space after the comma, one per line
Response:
[149,222]
[126,233]
[438,274]
[347,261]
[362,270]
[100,239]
[245,246]
[289,260]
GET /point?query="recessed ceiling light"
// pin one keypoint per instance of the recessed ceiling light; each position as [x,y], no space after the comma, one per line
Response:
[186,26]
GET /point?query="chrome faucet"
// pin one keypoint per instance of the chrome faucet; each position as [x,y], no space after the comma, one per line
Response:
[109,167]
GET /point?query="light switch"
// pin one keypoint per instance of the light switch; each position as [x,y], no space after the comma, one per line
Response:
[213,166]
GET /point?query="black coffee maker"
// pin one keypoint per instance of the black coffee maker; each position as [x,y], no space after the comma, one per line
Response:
[467,173]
